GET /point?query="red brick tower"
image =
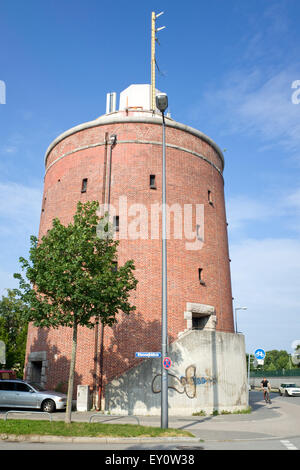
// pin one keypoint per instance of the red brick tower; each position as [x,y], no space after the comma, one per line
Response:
[199,287]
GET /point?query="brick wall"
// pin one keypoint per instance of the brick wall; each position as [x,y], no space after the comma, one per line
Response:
[83,154]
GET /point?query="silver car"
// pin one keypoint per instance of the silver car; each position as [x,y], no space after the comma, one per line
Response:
[21,394]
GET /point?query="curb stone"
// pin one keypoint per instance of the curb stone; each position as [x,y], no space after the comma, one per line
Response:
[82,439]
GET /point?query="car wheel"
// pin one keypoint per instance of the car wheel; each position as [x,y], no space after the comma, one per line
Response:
[286,394]
[48,406]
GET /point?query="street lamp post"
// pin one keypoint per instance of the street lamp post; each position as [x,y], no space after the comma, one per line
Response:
[162,104]
[249,362]
[235,310]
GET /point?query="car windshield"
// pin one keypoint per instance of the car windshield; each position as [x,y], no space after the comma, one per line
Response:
[37,386]
[290,385]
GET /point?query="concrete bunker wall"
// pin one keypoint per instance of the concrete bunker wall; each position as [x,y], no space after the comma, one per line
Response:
[208,373]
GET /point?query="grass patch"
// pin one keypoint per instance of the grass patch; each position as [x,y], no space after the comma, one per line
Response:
[75,429]
[237,412]
[199,413]
[224,412]
[244,412]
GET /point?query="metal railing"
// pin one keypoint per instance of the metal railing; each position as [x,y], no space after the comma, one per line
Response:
[112,418]
[28,412]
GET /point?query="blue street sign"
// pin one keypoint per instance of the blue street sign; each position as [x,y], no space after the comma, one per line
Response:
[147,354]
[259,353]
[167,363]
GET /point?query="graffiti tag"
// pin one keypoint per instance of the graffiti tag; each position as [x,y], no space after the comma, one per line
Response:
[184,384]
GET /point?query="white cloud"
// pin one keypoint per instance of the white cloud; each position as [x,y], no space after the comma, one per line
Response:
[281,206]
[266,278]
[266,270]
[243,209]
[7,281]
[255,97]
[272,263]
[261,106]
[20,208]
[26,114]
[8,149]
[14,142]
[20,203]
[293,199]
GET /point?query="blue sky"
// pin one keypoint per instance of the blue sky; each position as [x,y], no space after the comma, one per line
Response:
[228,68]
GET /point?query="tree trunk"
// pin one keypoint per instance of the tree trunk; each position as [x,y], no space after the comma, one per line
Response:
[71,375]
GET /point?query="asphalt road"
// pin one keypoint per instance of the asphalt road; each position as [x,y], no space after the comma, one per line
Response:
[267,427]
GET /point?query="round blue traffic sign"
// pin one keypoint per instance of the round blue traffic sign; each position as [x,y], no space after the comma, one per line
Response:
[259,353]
[167,363]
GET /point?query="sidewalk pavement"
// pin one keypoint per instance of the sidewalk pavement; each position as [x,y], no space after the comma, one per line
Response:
[280,419]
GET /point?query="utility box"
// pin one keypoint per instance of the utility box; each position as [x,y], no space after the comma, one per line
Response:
[83,398]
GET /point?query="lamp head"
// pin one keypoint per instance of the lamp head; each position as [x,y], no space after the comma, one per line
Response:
[162,101]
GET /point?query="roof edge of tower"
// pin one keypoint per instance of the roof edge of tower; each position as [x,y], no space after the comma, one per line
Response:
[117,117]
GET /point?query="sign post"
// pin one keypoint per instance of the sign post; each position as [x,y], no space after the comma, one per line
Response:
[2,352]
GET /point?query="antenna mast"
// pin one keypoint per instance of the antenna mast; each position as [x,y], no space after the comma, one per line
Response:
[153,63]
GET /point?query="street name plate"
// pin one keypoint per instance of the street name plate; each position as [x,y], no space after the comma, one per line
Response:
[147,354]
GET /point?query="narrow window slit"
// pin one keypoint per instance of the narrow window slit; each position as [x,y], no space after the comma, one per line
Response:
[116,223]
[152,182]
[200,276]
[84,185]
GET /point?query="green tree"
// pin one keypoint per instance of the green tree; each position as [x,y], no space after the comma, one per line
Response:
[74,279]
[276,360]
[13,330]
[296,357]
